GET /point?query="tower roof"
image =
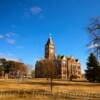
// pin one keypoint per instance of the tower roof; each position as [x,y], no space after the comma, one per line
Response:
[50,41]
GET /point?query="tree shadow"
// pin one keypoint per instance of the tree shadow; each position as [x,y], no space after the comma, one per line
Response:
[66,83]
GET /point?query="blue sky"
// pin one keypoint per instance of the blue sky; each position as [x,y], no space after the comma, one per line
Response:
[25,26]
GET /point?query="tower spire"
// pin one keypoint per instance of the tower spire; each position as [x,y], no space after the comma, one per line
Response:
[49,48]
[50,40]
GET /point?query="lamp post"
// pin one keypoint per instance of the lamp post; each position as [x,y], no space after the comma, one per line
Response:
[2,72]
[1,63]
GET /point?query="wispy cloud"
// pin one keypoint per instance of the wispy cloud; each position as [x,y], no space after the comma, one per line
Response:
[10,41]
[1,36]
[8,37]
[33,11]
[10,56]
[10,34]
[36,10]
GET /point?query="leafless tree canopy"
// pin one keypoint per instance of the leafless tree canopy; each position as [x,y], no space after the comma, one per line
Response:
[14,69]
[94,34]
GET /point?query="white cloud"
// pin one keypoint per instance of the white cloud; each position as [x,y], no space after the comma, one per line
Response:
[32,11]
[10,56]
[14,59]
[8,37]
[10,34]
[1,36]
[36,10]
[10,41]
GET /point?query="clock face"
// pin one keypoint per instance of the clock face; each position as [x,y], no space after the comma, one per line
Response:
[51,50]
[64,62]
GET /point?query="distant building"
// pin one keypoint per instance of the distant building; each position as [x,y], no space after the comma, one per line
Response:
[65,67]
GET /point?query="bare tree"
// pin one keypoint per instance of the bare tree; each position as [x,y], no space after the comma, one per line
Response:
[50,72]
[47,69]
[94,34]
[17,69]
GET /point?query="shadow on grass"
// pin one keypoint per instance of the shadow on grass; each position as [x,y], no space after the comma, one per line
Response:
[66,83]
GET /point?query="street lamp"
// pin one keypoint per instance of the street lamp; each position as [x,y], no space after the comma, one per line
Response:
[1,63]
[2,70]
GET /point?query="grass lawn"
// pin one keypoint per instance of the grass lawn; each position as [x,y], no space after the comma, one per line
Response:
[43,85]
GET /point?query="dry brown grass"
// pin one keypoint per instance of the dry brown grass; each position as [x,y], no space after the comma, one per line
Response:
[43,84]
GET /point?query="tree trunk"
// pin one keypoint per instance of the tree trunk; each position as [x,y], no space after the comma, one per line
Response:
[51,84]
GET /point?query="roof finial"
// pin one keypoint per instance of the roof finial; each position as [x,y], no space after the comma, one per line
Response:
[50,40]
[50,35]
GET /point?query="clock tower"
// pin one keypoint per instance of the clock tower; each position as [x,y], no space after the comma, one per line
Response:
[49,49]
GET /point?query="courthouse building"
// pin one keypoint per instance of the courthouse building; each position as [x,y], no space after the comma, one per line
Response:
[65,67]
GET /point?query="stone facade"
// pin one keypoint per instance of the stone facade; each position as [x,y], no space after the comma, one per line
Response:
[64,67]
[70,68]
